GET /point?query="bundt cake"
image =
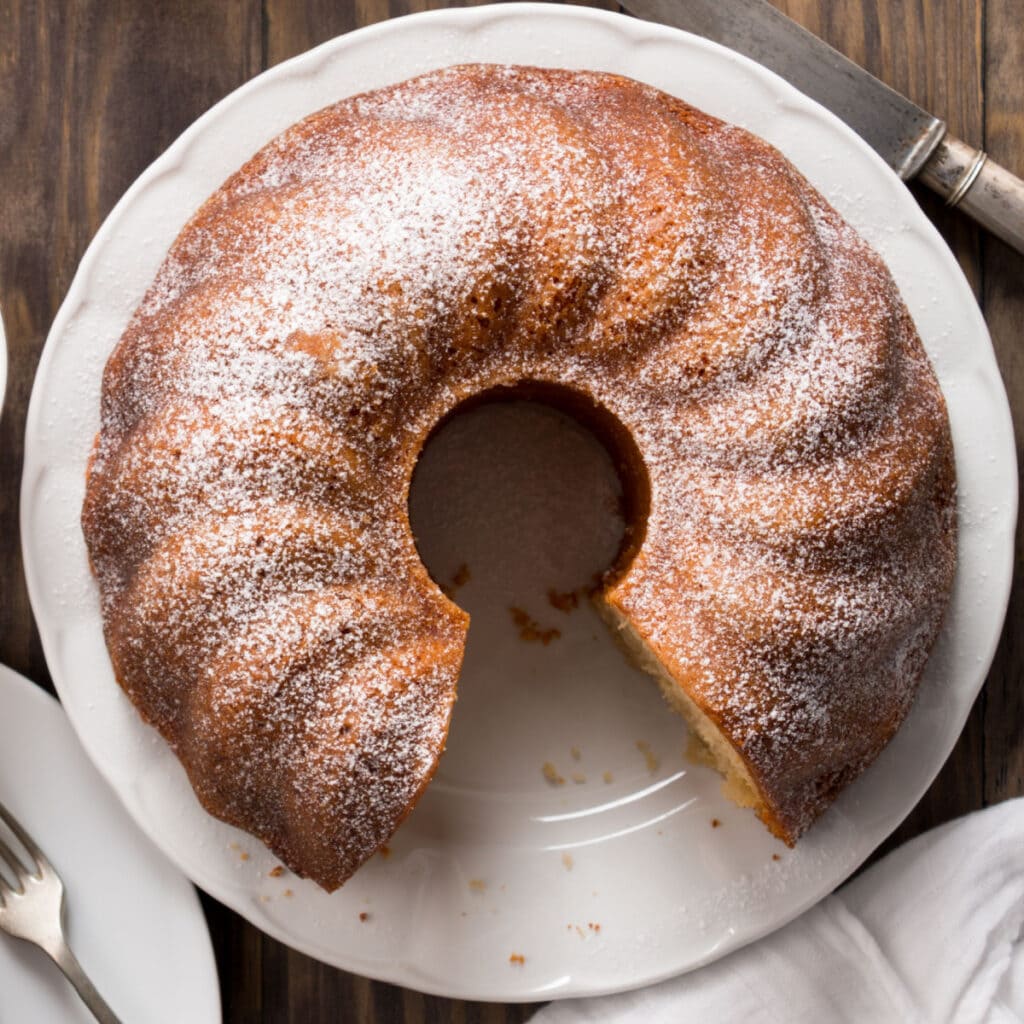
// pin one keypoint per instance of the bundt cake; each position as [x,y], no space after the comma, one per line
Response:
[573,237]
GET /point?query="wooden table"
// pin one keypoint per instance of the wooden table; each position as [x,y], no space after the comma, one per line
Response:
[91,91]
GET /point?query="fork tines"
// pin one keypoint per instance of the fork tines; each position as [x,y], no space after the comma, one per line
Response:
[40,866]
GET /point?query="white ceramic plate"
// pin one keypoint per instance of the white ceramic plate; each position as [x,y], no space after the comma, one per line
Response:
[133,920]
[477,874]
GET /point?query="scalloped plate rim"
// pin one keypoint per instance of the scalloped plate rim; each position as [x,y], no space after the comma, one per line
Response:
[175,161]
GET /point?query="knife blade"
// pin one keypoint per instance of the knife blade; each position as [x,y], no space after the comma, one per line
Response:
[912,142]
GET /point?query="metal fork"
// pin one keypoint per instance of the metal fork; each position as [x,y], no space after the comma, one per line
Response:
[33,910]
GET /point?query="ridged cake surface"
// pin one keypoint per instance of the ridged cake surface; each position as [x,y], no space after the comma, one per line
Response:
[582,238]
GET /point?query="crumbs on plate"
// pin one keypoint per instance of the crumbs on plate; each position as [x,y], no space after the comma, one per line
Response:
[650,757]
[459,580]
[564,602]
[530,631]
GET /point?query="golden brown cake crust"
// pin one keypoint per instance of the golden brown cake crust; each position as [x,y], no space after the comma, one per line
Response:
[784,440]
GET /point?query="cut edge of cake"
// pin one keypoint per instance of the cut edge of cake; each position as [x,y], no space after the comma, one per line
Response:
[738,784]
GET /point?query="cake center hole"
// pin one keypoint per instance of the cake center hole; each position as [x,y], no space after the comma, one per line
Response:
[517,510]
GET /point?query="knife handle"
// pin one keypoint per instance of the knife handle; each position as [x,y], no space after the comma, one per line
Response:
[968,179]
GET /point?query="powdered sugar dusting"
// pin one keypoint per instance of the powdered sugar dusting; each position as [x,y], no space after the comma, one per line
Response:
[401,251]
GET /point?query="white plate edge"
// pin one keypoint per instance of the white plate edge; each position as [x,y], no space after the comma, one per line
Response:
[32,692]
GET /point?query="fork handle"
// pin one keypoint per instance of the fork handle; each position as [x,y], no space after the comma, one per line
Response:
[62,956]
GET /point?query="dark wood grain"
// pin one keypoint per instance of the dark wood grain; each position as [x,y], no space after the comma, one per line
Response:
[1002,275]
[91,91]
[90,94]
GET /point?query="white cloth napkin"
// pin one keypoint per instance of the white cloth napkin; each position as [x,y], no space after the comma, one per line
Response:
[930,934]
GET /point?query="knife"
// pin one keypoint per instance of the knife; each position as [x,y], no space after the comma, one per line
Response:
[912,142]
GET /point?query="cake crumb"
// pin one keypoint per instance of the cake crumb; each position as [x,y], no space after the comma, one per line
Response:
[364,916]
[593,926]
[288,894]
[530,631]
[567,861]
[579,778]
[551,774]
[461,577]
[715,823]
[607,776]
[243,855]
[264,898]
[517,958]
[575,753]
[775,856]
[696,751]
[564,602]
[385,851]
[275,872]
[477,884]
[649,756]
